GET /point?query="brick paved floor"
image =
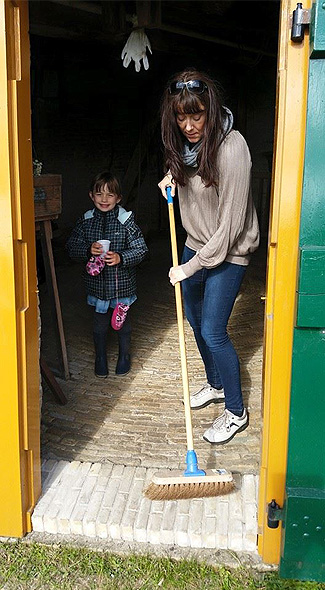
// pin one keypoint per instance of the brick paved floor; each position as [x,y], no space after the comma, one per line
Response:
[137,420]
[105,501]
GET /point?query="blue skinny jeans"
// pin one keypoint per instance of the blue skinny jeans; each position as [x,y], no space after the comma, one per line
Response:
[209,296]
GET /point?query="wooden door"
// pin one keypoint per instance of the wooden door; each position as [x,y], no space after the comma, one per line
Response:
[19,342]
[282,272]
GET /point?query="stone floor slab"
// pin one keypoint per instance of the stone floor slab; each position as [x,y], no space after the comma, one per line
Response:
[231,523]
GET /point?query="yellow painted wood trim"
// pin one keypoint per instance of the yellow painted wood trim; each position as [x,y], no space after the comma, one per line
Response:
[282,273]
[11,515]
[20,483]
[25,248]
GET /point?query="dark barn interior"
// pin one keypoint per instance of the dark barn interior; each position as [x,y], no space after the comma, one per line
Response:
[89,113]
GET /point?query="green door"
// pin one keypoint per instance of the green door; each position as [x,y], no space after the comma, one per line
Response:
[303,521]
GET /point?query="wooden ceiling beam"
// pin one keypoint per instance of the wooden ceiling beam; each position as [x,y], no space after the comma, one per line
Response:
[213,39]
[80,5]
[148,13]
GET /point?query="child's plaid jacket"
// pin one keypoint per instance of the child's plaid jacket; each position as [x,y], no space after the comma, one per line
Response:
[126,238]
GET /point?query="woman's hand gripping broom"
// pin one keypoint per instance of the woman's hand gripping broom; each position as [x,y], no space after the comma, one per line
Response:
[193,482]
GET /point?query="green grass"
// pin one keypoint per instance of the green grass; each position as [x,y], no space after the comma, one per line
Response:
[33,566]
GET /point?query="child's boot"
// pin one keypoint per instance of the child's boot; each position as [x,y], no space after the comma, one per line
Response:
[101,368]
[123,365]
[101,323]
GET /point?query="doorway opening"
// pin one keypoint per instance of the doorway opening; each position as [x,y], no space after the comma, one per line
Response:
[91,114]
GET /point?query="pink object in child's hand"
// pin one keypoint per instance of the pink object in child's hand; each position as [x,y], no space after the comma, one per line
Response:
[119,315]
[95,265]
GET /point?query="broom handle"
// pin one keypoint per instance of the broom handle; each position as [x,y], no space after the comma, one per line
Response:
[180,323]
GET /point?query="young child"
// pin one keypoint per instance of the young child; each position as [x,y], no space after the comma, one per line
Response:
[109,221]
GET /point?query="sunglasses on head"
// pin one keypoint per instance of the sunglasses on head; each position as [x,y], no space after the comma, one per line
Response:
[194,86]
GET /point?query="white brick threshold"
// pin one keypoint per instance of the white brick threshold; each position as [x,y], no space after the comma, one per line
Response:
[105,501]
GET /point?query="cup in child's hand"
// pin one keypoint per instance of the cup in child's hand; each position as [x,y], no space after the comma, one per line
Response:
[106,245]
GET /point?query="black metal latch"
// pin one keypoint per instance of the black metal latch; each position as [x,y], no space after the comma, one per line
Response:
[300,19]
[274,514]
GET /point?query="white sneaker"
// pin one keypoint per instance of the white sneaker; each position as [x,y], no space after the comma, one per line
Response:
[225,427]
[205,396]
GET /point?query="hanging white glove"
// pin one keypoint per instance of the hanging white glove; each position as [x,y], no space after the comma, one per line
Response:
[135,48]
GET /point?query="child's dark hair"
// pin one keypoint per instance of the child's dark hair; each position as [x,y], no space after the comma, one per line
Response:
[103,178]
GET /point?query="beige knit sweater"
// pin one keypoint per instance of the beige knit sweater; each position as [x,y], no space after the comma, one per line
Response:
[221,224]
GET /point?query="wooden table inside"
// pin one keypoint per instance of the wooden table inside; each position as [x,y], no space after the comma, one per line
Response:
[47,199]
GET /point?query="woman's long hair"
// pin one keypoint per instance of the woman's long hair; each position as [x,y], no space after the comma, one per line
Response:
[213,134]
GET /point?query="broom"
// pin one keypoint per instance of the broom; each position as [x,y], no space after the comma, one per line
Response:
[193,482]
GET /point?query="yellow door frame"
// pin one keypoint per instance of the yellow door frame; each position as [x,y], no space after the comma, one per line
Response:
[20,482]
[282,273]
[20,441]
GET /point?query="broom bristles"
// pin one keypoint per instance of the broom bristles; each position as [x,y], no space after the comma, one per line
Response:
[175,485]
[187,490]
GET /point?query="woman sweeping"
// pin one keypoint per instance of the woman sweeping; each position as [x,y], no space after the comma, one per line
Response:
[210,164]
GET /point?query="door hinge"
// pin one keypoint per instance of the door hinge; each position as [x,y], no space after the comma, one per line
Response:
[274,514]
[300,19]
